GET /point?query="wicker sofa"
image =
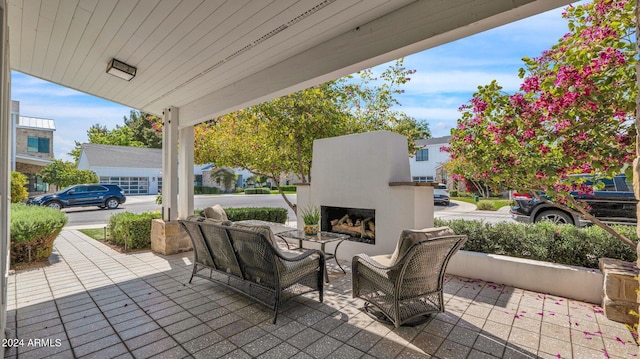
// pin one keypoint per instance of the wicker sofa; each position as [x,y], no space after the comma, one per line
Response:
[406,286]
[250,262]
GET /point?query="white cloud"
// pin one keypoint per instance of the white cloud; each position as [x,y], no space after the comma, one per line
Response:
[459,81]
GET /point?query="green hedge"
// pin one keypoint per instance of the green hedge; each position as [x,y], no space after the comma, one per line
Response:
[289,188]
[270,214]
[259,190]
[132,230]
[206,190]
[545,241]
[33,230]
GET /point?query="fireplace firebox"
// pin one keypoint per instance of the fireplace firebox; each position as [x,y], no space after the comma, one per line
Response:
[358,223]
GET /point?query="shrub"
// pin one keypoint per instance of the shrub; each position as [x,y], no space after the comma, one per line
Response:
[206,190]
[18,187]
[132,230]
[269,214]
[33,230]
[259,190]
[453,193]
[544,241]
[289,188]
[485,206]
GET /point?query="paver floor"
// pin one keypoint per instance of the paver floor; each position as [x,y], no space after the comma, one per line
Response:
[93,302]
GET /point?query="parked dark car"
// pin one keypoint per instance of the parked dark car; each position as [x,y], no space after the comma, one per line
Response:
[613,204]
[102,195]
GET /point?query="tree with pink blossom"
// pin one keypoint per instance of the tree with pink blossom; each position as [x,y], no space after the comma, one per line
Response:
[574,114]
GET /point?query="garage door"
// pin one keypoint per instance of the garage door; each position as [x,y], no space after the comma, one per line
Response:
[130,185]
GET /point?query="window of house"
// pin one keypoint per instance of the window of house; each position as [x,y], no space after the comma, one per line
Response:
[422,155]
[419,179]
[38,144]
[36,184]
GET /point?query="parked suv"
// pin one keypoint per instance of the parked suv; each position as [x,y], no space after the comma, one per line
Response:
[614,204]
[102,195]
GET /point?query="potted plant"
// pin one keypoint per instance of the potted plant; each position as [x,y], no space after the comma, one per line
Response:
[311,219]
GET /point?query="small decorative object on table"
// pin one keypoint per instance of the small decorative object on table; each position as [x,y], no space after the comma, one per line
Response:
[311,218]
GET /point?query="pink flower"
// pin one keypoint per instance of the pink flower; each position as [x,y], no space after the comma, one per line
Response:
[530,84]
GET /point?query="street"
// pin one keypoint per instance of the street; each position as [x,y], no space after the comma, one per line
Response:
[96,217]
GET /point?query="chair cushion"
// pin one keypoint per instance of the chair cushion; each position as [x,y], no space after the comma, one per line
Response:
[195,218]
[383,259]
[410,237]
[217,221]
[215,212]
[264,230]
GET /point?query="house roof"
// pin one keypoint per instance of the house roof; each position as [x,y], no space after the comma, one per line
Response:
[35,122]
[31,160]
[433,141]
[208,58]
[121,156]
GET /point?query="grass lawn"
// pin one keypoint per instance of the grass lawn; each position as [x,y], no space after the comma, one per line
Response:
[275,191]
[496,202]
[95,233]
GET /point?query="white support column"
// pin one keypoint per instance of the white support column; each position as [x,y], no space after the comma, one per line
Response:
[170,164]
[185,172]
[5,163]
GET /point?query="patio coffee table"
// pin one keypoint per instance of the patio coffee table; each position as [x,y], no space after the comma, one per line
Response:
[322,238]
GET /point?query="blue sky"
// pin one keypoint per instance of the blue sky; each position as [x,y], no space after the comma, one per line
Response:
[446,78]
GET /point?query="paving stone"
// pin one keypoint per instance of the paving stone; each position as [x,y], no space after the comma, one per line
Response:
[216,350]
[203,341]
[166,318]
[154,348]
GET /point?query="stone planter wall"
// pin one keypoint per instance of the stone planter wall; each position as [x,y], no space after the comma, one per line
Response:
[169,237]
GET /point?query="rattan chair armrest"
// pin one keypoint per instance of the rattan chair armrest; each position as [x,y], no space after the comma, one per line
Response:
[302,256]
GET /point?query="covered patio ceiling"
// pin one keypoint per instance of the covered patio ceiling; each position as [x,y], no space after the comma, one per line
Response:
[208,57]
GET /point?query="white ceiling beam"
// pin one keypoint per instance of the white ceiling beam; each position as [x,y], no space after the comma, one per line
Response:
[413,28]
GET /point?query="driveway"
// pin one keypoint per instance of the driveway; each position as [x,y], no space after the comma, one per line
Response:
[464,210]
[91,217]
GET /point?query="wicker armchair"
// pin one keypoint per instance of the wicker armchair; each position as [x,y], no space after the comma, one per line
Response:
[407,286]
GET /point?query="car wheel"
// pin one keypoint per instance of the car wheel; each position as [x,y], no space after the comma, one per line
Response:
[554,217]
[54,205]
[112,203]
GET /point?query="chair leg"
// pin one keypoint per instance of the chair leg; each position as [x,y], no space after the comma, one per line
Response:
[275,313]
[193,272]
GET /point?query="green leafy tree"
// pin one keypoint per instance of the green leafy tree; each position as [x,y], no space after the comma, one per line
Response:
[276,137]
[226,176]
[18,187]
[144,128]
[64,174]
[573,115]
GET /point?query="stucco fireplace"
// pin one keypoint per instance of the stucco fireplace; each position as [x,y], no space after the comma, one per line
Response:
[367,175]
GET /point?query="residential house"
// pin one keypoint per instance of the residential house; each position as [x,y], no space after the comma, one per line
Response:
[32,147]
[139,170]
[428,163]
[136,170]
